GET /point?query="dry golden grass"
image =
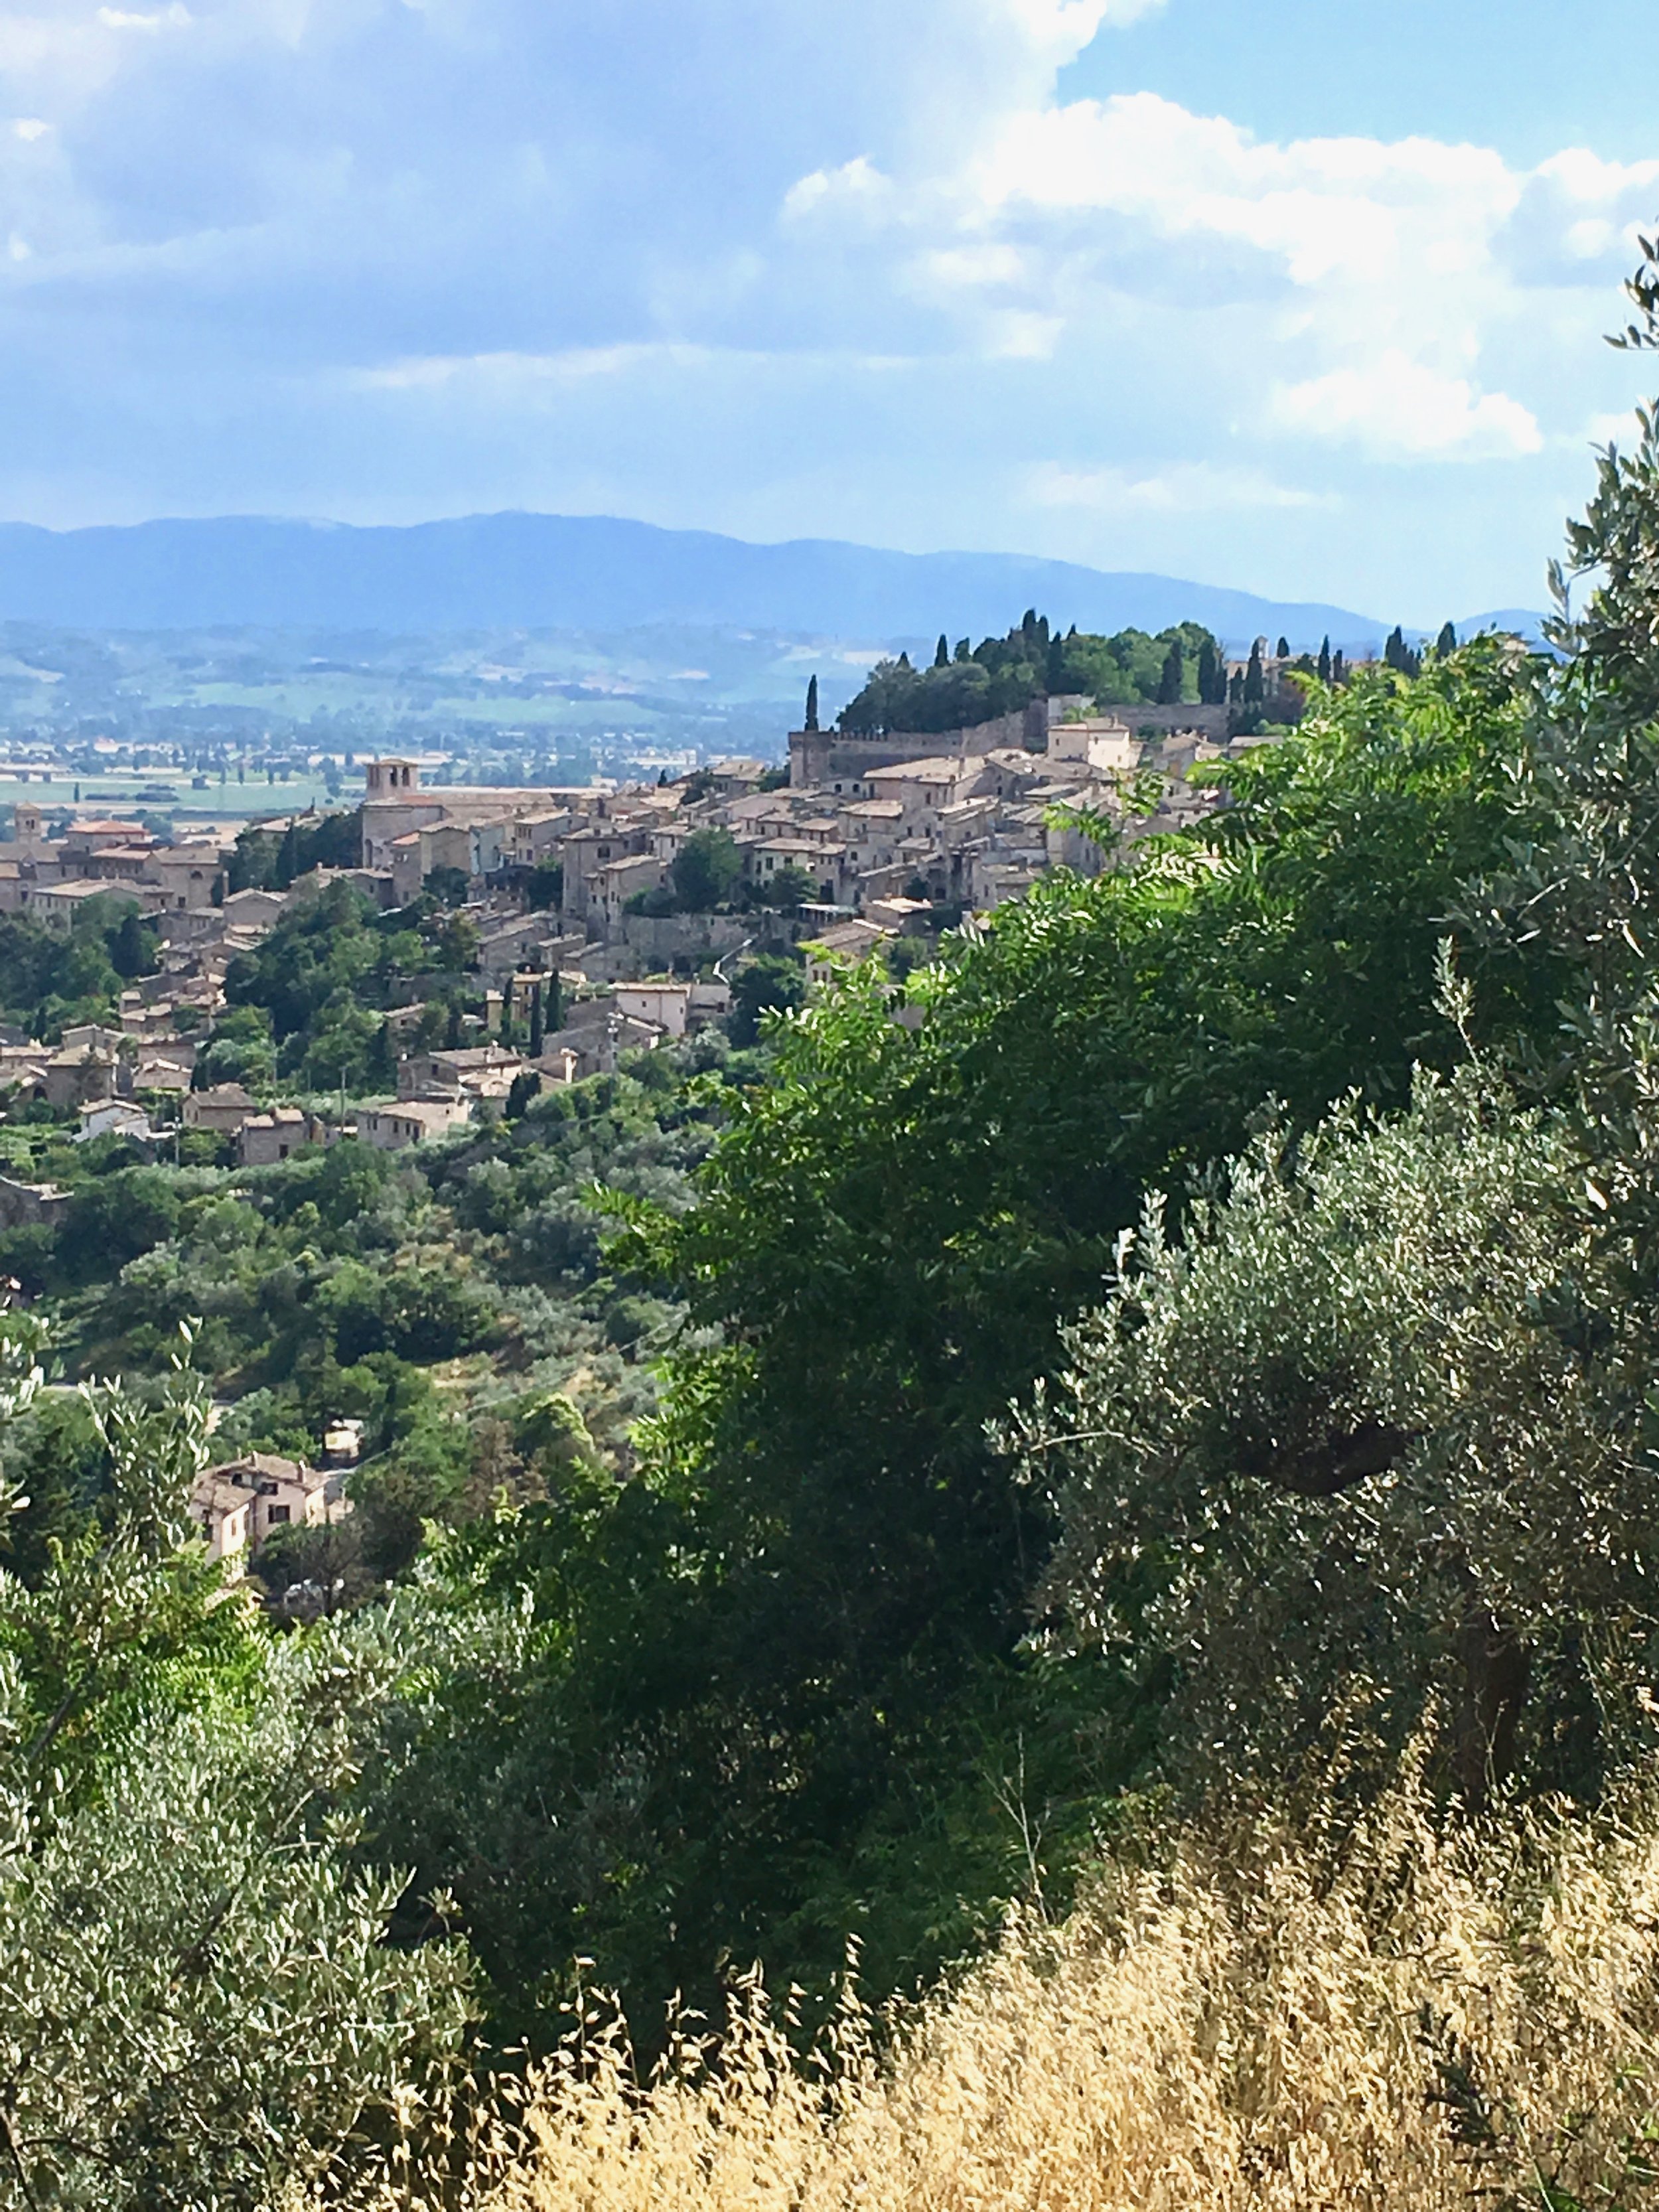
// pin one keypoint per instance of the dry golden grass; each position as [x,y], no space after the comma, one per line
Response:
[1390,2020]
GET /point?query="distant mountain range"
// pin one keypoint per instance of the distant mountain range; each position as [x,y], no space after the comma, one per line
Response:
[595,572]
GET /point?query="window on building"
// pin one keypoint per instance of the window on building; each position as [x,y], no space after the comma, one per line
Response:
[279,1516]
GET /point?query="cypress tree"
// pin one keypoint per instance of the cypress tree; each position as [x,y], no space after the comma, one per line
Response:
[1325,661]
[1169,684]
[506,1010]
[556,1001]
[1339,667]
[964,649]
[535,1021]
[1212,683]
[1255,682]
[1284,651]
[942,652]
[130,947]
[812,721]
[1400,655]
[453,1029]
[1447,641]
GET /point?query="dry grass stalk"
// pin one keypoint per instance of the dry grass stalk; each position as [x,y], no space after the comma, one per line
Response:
[1399,2021]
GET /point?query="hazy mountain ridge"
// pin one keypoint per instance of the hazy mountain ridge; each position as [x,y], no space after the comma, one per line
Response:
[543,571]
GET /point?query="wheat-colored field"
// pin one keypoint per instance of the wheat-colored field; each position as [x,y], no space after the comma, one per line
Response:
[1383,2018]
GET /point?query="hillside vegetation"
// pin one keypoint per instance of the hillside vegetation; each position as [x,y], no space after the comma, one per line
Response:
[1126,1495]
[975,684]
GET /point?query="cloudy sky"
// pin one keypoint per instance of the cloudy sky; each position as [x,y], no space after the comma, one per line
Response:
[1296,296]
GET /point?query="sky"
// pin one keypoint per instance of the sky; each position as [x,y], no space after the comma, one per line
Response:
[1302,298]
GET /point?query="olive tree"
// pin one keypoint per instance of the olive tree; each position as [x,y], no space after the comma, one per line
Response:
[198,2005]
[1372,1448]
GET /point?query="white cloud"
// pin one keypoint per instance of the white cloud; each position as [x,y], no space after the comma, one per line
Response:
[855,187]
[1194,488]
[433,371]
[126,19]
[856,269]
[1398,289]
[1402,410]
[1062,28]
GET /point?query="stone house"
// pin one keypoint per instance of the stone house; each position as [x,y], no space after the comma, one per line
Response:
[904,917]
[618,881]
[451,1071]
[396,804]
[843,945]
[405,856]
[586,852]
[77,1075]
[667,1005]
[534,837]
[190,877]
[24,1204]
[736,779]
[238,1503]
[265,1138]
[112,1118]
[523,940]
[1098,742]
[819,863]
[254,909]
[925,786]
[55,905]
[164,1067]
[24,1067]
[222,1109]
[411,1121]
[82,841]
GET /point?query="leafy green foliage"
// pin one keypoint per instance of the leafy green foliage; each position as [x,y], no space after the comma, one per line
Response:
[317,986]
[771,982]
[340,1284]
[777,1682]
[271,860]
[50,979]
[706,870]
[896,1221]
[1001,675]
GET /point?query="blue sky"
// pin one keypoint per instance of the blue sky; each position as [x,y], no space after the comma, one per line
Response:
[1296,297]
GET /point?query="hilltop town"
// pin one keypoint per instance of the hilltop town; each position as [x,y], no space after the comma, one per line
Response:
[598,919]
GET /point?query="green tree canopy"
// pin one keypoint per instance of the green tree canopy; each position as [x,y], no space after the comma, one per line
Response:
[1001,675]
[706,870]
